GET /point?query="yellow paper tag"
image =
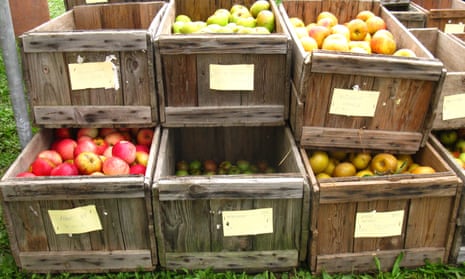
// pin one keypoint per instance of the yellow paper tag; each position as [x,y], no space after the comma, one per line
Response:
[379,224]
[92,75]
[76,220]
[232,77]
[354,102]
[452,106]
[248,222]
[96,1]
[454,28]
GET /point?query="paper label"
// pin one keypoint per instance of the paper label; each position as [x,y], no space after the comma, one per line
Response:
[454,28]
[248,222]
[232,77]
[379,224]
[76,220]
[354,102]
[452,106]
[92,75]
[96,1]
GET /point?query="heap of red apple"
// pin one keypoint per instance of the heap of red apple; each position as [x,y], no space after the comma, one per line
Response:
[94,151]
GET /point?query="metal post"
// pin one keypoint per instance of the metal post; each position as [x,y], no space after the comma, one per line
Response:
[14,74]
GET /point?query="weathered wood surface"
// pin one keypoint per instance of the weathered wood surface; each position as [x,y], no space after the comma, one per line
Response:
[430,203]
[403,83]
[440,13]
[70,4]
[183,75]
[187,210]
[411,17]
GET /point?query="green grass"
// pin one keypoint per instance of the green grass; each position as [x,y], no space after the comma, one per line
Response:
[10,148]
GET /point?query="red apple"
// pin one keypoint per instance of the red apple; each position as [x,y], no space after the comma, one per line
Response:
[142,158]
[65,147]
[103,132]
[85,146]
[144,136]
[125,150]
[319,33]
[25,174]
[115,166]
[64,169]
[137,169]
[51,155]
[142,148]
[41,166]
[63,133]
[90,132]
[101,144]
[88,162]
[108,152]
[114,138]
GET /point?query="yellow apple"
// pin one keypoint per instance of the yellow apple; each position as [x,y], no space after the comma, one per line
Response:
[319,33]
[327,14]
[423,170]
[319,161]
[335,42]
[384,163]
[364,15]
[361,160]
[375,23]
[382,43]
[341,29]
[364,172]
[297,22]
[308,43]
[405,52]
[301,32]
[344,169]
[358,29]
[360,46]
[322,175]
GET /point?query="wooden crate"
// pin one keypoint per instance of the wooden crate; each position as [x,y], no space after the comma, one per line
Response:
[441,12]
[450,52]
[429,204]
[395,4]
[457,253]
[410,16]
[70,4]
[188,210]
[460,37]
[126,241]
[408,87]
[183,72]
[93,66]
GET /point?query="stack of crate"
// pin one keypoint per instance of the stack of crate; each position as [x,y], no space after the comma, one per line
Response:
[91,67]
[351,217]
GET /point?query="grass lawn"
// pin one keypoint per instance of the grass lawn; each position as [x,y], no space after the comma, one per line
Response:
[10,148]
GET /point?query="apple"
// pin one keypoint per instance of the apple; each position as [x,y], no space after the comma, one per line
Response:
[259,6]
[341,29]
[177,26]
[182,18]
[362,46]
[462,156]
[182,165]
[65,147]
[137,169]
[331,165]
[405,52]
[90,132]
[246,21]
[142,158]
[261,30]
[319,33]
[296,22]
[423,170]
[335,42]
[327,22]
[115,166]
[144,136]
[103,132]
[41,167]
[195,166]
[460,163]
[322,175]
[26,174]
[224,166]
[327,14]
[358,29]
[223,11]
[383,163]
[51,155]
[114,138]
[210,166]
[101,144]
[406,160]
[319,161]
[88,162]
[221,19]
[361,160]
[364,173]
[182,173]
[300,32]
[338,154]
[63,133]
[64,169]
[239,13]
[266,19]
[192,27]
[84,138]
[449,137]
[238,7]
[344,169]
[125,150]
[308,43]
[384,32]
[85,146]
[364,15]
[108,152]
[357,49]
[243,165]
[382,43]
[375,23]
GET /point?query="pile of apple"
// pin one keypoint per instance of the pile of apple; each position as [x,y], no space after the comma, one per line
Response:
[211,167]
[94,151]
[366,33]
[257,19]
[454,142]
[327,164]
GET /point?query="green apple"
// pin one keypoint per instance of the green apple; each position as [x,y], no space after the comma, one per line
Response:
[262,30]
[239,14]
[259,6]
[225,29]
[238,7]
[223,11]
[192,27]
[460,145]
[221,19]
[182,18]
[246,21]
[448,137]
[266,19]
[462,157]
[245,30]
[177,27]
[211,28]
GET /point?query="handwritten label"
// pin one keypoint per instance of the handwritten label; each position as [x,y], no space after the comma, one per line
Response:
[96,1]
[354,102]
[379,224]
[92,75]
[248,222]
[232,77]
[452,106]
[454,28]
[76,220]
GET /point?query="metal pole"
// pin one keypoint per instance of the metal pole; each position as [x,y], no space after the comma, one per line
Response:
[14,74]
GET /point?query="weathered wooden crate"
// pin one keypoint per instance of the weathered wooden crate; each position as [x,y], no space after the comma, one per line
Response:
[429,204]
[410,16]
[441,12]
[457,253]
[447,114]
[93,66]
[189,210]
[126,241]
[396,4]
[458,36]
[70,4]
[183,72]
[408,87]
